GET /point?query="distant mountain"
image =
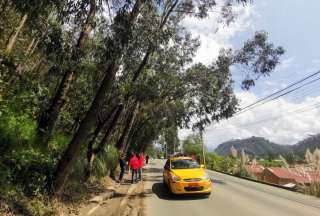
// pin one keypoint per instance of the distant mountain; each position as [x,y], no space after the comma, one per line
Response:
[311,142]
[262,147]
[257,146]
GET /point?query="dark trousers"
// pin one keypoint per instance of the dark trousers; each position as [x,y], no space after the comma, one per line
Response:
[134,175]
[122,169]
[140,174]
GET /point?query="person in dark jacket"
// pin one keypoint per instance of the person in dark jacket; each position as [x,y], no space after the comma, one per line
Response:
[122,163]
[147,159]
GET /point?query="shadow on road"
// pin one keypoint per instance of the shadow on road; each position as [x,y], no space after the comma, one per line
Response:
[216,181]
[163,193]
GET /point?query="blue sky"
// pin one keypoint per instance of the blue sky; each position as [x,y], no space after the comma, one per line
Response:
[292,24]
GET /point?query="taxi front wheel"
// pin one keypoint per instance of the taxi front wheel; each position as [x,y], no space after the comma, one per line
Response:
[207,195]
[164,182]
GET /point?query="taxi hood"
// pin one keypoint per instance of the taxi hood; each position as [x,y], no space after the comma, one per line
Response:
[189,173]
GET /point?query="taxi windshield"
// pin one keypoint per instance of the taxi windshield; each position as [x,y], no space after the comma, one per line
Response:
[184,164]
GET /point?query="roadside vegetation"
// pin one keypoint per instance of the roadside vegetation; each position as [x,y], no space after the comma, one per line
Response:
[81,81]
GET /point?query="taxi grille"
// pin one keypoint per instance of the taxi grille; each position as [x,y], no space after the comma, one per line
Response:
[193,188]
[192,179]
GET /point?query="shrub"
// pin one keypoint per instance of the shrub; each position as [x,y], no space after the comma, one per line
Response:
[106,161]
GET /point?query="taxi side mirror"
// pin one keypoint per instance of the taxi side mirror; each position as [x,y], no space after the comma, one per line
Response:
[202,166]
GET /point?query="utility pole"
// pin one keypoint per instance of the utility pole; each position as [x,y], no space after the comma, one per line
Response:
[203,149]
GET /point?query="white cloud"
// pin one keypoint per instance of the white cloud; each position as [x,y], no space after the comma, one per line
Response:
[283,121]
[214,36]
[286,63]
[280,121]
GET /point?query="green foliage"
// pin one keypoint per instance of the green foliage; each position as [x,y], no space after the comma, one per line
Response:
[271,163]
[243,173]
[32,170]
[214,161]
[58,142]
[192,145]
[106,161]
[220,163]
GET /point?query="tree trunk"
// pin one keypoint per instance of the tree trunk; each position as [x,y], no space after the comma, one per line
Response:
[129,140]
[64,165]
[92,152]
[112,124]
[35,66]
[34,47]
[121,142]
[14,35]
[30,46]
[133,133]
[49,117]
[142,64]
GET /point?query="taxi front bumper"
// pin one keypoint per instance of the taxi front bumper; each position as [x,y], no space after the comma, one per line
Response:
[201,187]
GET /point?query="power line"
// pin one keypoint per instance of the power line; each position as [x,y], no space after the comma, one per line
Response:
[278,96]
[282,90]
[308,92]
[267,116]
[275,96]
[300,110]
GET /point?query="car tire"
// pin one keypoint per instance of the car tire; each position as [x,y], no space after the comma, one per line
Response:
[207,195]
[169,190]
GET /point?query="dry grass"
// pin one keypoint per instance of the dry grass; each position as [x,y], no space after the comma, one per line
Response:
[312,173]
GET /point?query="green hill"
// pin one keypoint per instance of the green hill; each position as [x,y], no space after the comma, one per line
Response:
[257,146]
[261,147]
[311,143]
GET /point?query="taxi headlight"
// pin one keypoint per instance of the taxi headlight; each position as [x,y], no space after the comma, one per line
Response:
[175,178]
[206,177]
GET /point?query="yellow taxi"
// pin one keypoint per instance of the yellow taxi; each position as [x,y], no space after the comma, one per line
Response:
[182,175]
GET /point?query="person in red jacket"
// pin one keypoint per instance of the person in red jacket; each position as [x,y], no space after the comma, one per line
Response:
[134,164]
[141,164]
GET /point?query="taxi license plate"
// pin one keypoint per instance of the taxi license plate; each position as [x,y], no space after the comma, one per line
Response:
[193,184]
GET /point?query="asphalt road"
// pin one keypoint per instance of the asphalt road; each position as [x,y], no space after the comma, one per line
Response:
[231,196]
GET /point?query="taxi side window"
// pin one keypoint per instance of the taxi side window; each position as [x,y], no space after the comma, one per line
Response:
[167,165]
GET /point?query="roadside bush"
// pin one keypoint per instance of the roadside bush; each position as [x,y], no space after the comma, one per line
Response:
[213,161]
[314,189]
[220,163]
[106,162]
[228,164]
[243,173]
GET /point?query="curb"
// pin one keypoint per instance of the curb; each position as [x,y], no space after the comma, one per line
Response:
[253,180]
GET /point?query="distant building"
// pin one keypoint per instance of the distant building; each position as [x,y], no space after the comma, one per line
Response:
[256,171]
[277,175]
[289,176]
